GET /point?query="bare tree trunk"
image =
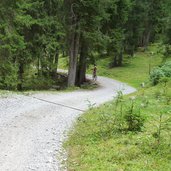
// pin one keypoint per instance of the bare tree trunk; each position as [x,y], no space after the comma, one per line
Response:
[81,72]
[145,39]
[20,76]
[38,66]
[115,61]
[55,64]
[74,40]
[120,60]
[73,57]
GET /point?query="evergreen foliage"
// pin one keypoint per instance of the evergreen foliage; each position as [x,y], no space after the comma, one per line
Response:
[33,33]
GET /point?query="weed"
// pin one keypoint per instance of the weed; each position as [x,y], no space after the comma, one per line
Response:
[133,117]
[90,104]
[118,99]
[164,123]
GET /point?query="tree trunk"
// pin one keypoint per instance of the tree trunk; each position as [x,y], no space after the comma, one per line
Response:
[120,59]
[20,76]
[74,39]
[147,39]
[115,61]
[144,42]
[73,57]
[81,72]
[43,63]
[55,64]
[38,66]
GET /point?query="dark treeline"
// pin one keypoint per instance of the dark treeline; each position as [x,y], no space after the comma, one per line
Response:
[33,33]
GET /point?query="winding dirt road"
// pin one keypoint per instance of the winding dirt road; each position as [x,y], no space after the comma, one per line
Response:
[33,128]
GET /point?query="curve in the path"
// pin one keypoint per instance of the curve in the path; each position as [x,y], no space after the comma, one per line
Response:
[33,128]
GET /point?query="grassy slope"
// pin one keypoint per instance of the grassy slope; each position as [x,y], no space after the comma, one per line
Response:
[134,71]
[129,73]
[100,141]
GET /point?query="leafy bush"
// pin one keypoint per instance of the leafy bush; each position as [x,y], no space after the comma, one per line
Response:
[156,75]
[8,76]
[160,72]
[166,68]
[134,119]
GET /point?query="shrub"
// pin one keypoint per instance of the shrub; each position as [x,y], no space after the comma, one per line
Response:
[38,83]
[128,115]
[160,72]
[134,119]
[166,68]
[156,75]
[8,76]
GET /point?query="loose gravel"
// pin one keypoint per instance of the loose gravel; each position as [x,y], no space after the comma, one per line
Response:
[34,127]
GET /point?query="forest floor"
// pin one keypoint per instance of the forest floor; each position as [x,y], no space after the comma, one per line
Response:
[33,127]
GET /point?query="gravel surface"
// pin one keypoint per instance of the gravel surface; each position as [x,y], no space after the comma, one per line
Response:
[33,128]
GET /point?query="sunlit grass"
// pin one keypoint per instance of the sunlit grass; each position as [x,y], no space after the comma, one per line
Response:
[96,143]
[135,70]
[63,62]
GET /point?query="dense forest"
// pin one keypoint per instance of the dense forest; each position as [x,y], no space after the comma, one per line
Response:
[35,33]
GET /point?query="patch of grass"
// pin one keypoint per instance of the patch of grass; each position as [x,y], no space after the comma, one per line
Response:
[63,62]
[30,92]
[102,141]
[135,69]
[89,85]
[3,93]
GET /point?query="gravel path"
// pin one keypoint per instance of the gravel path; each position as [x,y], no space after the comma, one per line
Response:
[33,128]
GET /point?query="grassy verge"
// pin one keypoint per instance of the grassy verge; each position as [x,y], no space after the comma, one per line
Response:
[135,69]
[88,86]
[132,133]
[3,93]
[102,139]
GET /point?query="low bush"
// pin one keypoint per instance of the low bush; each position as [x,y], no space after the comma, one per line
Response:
[160,72]
[38,83]
[134,120]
